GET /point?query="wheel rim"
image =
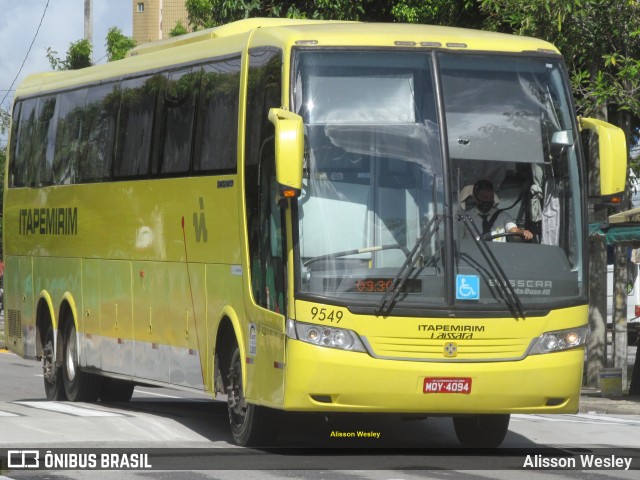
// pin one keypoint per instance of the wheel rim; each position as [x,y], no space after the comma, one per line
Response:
[47,362]
[235,395]
[70,363]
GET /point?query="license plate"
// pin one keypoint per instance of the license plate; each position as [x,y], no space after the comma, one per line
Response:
[447,385]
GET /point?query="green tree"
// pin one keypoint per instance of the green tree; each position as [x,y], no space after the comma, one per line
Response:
[178,30]
[211,13]
[118,44]
[459,13]
[78,56]
[5,118]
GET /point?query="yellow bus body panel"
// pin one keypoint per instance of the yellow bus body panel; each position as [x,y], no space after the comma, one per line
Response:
[132,263]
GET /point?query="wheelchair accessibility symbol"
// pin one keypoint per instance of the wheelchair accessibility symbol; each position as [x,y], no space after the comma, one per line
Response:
[467,287]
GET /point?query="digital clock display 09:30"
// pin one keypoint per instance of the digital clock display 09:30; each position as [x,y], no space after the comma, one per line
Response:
[381,285]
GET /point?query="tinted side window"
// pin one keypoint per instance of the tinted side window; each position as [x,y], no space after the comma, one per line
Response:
[34,140]
[40,143]
[23,120]
[176,115]
[217,122]
[69,147]
[101,115]
[135,126]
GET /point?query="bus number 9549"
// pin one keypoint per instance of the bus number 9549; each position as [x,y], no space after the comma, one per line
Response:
[324,314]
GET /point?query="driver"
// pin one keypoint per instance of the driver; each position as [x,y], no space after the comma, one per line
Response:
[490,220]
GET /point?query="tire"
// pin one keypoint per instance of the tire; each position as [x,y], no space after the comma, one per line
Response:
[116,391]
[53,386]
[79,386]
[486,431]
[251,425]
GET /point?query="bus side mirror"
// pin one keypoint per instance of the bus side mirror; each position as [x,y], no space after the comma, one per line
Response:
[289,145]
[612,153]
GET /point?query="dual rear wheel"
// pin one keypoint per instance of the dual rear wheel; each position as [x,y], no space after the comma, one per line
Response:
[66,381]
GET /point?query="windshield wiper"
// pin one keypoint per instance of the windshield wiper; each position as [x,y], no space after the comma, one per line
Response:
[398,281]
[510,295]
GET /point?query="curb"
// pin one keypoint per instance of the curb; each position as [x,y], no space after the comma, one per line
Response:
[592,401]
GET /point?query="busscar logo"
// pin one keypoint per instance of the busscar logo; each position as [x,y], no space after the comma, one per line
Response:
[23,459]
[450,349]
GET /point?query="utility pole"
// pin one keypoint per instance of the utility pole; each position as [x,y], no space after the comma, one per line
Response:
[88,23]
[160,13]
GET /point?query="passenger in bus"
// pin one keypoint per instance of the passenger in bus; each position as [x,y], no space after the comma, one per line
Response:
[489,219]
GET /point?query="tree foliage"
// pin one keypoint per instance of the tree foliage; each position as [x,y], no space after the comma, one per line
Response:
[211,13]
[179,29]
[459,13]
[5,118]
[78,56]
[118,44]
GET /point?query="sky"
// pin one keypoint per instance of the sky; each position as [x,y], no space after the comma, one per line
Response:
[63,24]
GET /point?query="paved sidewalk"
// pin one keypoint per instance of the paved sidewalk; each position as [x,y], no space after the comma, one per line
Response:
[592,401]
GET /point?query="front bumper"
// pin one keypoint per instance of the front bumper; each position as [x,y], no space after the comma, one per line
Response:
[324,379]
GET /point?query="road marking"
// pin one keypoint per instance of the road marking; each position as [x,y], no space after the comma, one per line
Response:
[205,398]
[155,394]
[579,418]
[8,414]
[70,409]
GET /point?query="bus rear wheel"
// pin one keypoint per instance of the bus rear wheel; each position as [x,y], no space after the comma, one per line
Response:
[51,371]
[250,424]
[487,431]
[79,386]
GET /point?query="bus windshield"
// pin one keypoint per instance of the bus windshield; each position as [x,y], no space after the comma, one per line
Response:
[378,159]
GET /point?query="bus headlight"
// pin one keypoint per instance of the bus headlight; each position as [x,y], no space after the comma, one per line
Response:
[560,340]
[324,336]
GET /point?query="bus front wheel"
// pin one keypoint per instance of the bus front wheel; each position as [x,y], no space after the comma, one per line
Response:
[51,371]
[250,424]
[487,431]
[79,386]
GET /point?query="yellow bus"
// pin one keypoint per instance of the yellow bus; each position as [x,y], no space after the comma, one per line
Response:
[282,213]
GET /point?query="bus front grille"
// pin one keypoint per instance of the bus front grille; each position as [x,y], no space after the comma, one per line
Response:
[420,349]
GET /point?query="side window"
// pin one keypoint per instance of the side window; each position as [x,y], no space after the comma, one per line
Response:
[101,115]
[176,116]
[69,147]
[23,121]
[217,121]
[41,143]
[135,127]
[263,214]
